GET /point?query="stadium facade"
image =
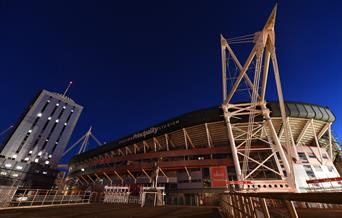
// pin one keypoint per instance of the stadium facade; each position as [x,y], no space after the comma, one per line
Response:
[193,153]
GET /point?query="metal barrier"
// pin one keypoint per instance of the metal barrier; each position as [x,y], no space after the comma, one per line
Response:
[238,204]
[123,195]
[116,194]
[44,197]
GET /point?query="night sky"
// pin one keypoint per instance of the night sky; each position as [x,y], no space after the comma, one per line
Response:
[137,63]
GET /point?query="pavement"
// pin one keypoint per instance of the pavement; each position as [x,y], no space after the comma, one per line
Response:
[112,211]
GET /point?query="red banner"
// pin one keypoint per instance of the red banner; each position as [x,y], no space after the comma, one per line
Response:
[218,176]
[335,179]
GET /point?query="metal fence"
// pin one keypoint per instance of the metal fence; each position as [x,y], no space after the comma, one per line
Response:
[44,197]
[6,194]
[238,204]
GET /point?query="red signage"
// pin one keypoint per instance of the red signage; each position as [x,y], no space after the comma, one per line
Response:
[218,176]
[335,179]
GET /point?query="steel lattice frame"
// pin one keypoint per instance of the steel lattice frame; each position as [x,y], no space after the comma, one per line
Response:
[263,52]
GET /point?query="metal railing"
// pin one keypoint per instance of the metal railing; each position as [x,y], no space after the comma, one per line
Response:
[44,197]
[325,185]
[239,204]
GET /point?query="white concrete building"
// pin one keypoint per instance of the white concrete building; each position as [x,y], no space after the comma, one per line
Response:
[43,132]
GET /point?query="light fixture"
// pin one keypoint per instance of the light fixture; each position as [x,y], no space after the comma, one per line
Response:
[39,114]
[19,167]
[3,173]
[57,104]
[26,159]
[48,101]
[57,120]
[8,165]
[40,153]
[30,131]
[47,162]
[65,124]
[72,111]
[36,160]
[15,175]
[50,156]
[82,169]
[44,172]
[14,156]
[64,107]
[30,152]
[49,118]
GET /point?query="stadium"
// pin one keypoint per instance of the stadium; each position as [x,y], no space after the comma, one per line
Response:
[193,154]
[253,145]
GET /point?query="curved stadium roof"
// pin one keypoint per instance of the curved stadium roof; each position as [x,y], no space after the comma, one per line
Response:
[208,115]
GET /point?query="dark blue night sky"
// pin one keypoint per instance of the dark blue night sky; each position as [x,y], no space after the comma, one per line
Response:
[137,63]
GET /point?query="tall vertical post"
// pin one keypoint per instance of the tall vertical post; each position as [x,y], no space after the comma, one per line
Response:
[232,143]
[330,143]
[224,78]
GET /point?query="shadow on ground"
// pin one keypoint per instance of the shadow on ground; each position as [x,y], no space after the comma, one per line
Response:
[111,210]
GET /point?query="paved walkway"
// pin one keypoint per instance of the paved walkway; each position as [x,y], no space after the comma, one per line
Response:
[111,210]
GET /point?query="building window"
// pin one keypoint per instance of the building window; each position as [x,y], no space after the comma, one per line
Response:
[318,168]
[303,157]
[311,155]
[331,169]
[309,172]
